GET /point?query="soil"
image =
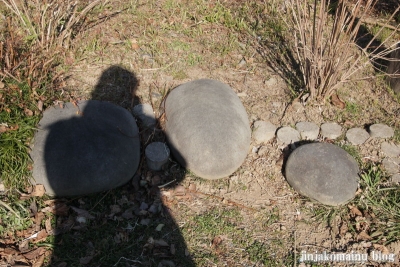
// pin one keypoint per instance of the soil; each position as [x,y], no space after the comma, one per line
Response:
[161,58]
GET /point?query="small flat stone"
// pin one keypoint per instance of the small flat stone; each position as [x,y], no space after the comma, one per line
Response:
[357,136]
[157,154]
[287,135]
[390,150]
[263,131]
[391,165]
[331,130]
[381,131]
[145,113]
[395,178]
[324,172]
[308,130]
[298,107]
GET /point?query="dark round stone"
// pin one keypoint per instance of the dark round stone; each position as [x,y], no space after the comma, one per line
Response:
[85,148]
[324,172]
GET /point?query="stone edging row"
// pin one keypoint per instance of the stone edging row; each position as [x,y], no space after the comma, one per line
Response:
[264,131]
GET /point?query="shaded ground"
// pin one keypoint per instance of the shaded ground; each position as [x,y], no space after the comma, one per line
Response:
[253,217]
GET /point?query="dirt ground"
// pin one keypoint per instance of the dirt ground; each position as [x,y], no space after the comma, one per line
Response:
[163,49]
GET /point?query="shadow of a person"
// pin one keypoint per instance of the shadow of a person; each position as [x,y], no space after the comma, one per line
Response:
[114,227]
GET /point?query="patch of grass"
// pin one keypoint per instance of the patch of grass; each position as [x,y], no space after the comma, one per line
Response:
[194,59]
[179,75]
[352,108]
[353,151]
[382,203]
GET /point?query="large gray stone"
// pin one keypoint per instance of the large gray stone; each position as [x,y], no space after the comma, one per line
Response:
[207,128]
[84,149]
[323,172]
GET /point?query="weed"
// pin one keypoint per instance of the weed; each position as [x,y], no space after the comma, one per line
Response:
[352,150]
[381,201]
[323,53]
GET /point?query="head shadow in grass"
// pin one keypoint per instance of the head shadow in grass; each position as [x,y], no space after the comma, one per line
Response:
[128,225]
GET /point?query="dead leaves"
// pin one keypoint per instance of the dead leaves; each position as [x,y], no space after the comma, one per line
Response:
[336,101]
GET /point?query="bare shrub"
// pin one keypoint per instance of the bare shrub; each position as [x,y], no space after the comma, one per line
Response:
[322,44]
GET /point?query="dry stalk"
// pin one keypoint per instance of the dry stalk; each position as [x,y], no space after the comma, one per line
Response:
[323,46]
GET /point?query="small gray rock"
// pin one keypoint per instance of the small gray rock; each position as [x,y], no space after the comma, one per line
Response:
[395,178]
[324,172]
[84,149]
[145,113]
[263,131]
[287,135]
[298,107]
[308,130]
[357,136]
[207,128]
[157,154]
[391,165]
[331,130]
[381,131]
[390,150]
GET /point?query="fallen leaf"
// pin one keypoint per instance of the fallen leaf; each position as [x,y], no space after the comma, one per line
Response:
[192,187]
[381,248]
[38,190]
[343,229]
[337,102]
[216,241]
[180,191]
[39,262]
[83,213]
[160,243]
[354,211]
[33,208]
[57,208]
[115,209]
[40,105]
[134,44]
[159,227]
[363,236]
[28,112]
[23,246]
[3,129]
[85,260]
[38,220]
[33,254]
[41,236]
[49,228]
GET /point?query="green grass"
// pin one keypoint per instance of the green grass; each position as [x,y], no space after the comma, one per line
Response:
[237,241]
[382,202]
[14,143]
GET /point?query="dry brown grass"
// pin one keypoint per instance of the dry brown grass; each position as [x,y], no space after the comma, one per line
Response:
[35,36]
[322,45]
